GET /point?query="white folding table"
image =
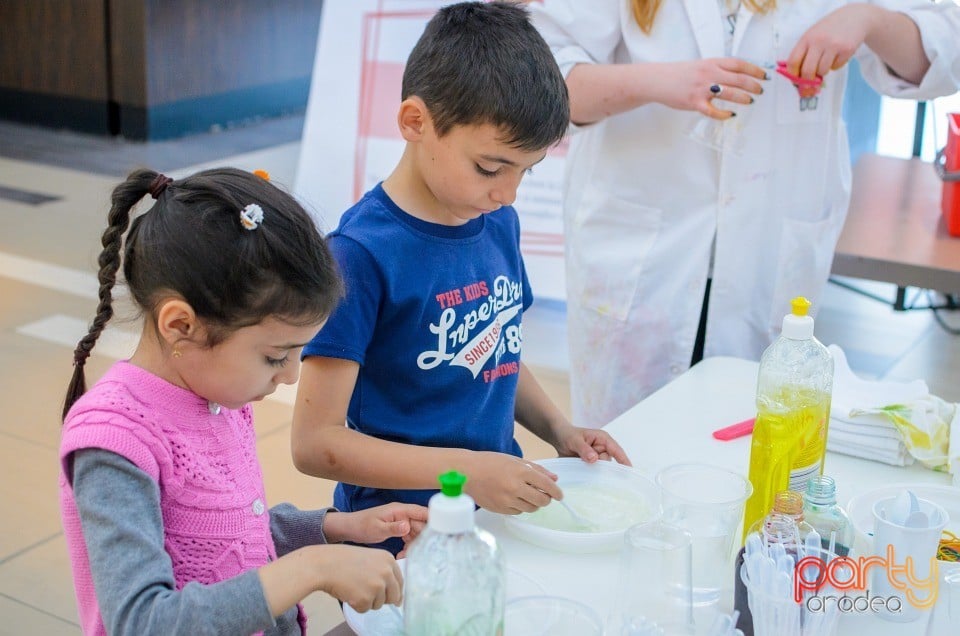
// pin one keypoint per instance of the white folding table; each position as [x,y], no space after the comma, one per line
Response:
[674,425]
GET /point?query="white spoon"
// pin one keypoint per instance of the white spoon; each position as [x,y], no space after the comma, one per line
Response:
[905,505]
[577,517]
[917,519]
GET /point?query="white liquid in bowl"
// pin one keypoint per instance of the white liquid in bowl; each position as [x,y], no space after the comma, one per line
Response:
[609,509]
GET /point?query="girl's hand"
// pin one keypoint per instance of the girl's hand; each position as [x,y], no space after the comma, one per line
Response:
[832,41]
[509,485]
[363,578]
[376,524]
[686,85]
[591,444]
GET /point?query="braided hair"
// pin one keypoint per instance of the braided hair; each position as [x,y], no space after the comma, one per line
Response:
[193,242]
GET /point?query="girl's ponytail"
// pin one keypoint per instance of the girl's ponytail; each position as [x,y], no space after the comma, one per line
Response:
[124,197]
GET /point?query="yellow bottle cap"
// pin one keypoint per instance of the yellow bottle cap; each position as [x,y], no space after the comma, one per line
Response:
[800,305]
[797,325]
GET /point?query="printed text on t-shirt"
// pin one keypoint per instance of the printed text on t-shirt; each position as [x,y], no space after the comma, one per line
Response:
[456,340]
[470,292]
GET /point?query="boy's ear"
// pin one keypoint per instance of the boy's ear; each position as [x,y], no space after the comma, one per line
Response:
[176,321]
[413,118]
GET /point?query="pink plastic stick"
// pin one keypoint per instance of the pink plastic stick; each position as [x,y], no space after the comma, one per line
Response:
[735,430]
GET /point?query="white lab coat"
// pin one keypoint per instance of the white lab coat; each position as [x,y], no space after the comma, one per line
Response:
[643,201]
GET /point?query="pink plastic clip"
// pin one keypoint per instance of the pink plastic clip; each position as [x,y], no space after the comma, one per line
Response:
[735,430]
[806,87]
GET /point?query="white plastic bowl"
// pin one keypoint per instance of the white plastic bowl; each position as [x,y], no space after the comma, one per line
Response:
[602,476]
[860,508]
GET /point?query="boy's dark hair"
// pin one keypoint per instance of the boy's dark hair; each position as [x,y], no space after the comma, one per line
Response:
[192,243]
[479,63]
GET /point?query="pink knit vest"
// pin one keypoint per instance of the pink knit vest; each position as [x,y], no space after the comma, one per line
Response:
[215,517]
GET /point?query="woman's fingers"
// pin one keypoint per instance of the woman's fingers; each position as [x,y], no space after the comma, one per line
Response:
[739,66]
[735,95]
[743,83]
[711,111]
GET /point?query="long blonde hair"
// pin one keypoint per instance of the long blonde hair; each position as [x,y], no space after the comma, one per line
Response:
[644,11]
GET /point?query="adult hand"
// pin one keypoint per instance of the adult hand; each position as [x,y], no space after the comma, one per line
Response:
[687,85]
[832,41]
[591,444]
[363,578]
[377,524]
[509,485]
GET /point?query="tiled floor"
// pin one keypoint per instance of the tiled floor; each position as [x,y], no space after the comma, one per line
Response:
[47,295]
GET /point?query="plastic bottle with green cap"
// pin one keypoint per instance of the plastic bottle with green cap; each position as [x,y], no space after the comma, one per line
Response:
[794,387]
[454,580]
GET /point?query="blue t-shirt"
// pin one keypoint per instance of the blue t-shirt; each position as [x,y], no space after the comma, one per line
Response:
[432,314]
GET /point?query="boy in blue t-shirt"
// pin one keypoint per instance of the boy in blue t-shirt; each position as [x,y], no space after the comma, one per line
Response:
[422,358]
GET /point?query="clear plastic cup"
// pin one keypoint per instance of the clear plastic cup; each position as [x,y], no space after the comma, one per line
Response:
[707,502]
[654,586]
[550,616]
[946,614]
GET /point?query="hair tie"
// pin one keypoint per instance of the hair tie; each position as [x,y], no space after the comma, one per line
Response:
[251,216]
[263,174]
[159,184]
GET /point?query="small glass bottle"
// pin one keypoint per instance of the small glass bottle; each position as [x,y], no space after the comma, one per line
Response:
[820,509]
[455,578]
[788,503]
[784,524]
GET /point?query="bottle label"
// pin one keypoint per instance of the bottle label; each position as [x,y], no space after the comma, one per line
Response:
[799,476]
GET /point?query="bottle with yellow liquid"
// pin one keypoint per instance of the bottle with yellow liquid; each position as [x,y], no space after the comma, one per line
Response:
[793,410]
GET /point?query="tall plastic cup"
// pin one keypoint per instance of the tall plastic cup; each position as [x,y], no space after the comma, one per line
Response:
[654,586]
[707,502]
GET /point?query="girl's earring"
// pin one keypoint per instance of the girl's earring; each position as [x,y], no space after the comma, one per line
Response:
[176,353]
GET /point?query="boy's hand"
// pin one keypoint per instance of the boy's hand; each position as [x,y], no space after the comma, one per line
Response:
[591,444]
[363,578]
[509,485]
[376,524]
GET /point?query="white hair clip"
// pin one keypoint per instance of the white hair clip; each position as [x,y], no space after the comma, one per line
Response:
[251,216]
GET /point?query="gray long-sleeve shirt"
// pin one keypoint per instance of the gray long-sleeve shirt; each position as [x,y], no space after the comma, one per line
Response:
[119,507]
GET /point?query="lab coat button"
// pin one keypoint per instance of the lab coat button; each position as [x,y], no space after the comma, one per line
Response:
[675,369]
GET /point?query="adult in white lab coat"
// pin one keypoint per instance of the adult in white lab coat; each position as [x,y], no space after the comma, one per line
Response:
[654,203]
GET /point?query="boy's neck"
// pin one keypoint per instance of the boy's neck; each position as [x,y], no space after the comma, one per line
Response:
[407,189]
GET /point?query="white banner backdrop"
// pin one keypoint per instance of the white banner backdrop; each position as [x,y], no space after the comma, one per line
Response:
[350,137]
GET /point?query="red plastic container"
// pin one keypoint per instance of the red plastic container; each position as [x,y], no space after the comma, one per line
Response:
[948,167]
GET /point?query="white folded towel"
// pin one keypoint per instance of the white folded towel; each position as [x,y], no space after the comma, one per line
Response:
[868,435]
[852,393]
[892,422]
[882,449]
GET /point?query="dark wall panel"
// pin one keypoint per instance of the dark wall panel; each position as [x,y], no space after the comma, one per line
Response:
[55,47]
[198,47]
[155,68]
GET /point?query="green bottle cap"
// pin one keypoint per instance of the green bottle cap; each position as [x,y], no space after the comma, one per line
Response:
[451,483]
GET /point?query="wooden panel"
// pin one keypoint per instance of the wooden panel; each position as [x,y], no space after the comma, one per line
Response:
[895,230]
[128,35]
[54,47]
[197,47]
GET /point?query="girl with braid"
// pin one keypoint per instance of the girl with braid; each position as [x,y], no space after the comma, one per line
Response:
[161,492]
